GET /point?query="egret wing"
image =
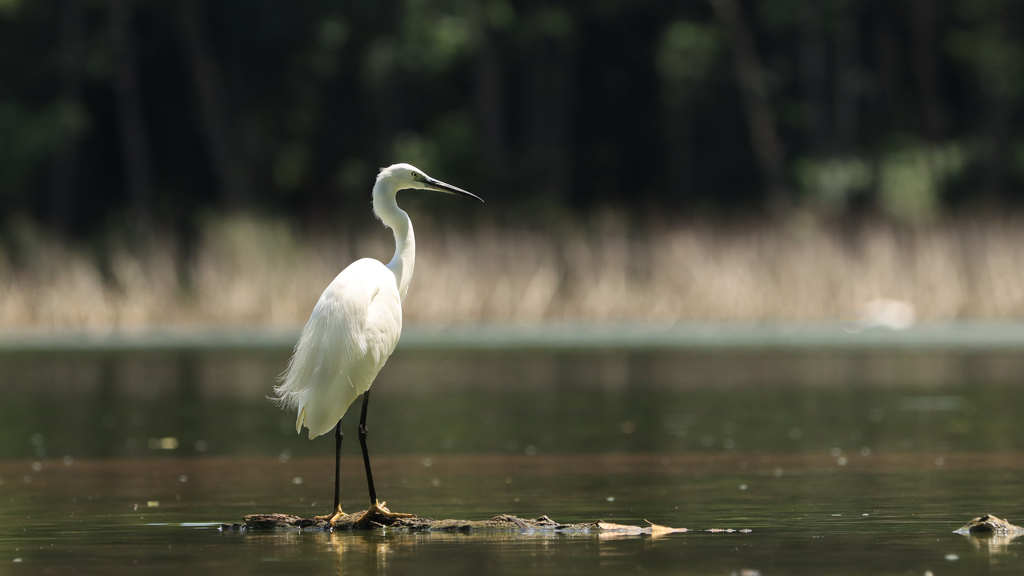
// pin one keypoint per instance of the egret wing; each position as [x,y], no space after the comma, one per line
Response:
[352,331]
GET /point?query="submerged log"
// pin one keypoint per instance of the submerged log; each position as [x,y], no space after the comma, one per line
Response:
[501,523]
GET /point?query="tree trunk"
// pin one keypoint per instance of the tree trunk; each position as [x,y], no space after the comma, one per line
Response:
[751,79]
[549,84]
[65,166]
[924,51]
[385,85]
[679,128]
[891,70]
[813,76]
[490,104]
[217,126]
[846,84]
[131,119]
[998,78]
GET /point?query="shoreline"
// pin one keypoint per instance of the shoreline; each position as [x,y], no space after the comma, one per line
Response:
[555,336]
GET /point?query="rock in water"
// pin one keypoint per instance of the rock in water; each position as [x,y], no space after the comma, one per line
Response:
[989,524]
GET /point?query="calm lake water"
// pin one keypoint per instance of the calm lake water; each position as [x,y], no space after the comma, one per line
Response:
[837,463]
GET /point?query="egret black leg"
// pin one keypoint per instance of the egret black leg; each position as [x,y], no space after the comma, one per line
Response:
[378,511]
[366,454]
[338,437]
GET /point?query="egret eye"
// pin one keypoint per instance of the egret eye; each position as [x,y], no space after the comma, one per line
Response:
[417,176]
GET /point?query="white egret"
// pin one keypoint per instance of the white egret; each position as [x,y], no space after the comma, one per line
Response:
[354,328]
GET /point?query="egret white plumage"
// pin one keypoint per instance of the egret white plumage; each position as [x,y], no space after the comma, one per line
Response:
[354,328]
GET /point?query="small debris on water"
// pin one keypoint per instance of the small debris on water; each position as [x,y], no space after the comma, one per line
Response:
[658,530]
[610,499]
[153,503]
[167,443]
[427,462]
[952,557]
[619,528]
[297,480]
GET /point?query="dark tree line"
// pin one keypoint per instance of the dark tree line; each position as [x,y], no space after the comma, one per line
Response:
[149,112]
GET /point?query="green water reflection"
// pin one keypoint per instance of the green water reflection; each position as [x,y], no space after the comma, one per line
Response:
[116,405]
[839,463]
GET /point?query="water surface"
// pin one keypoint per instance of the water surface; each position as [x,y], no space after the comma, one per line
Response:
[838,462]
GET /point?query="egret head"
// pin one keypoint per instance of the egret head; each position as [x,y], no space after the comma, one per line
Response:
[403,176]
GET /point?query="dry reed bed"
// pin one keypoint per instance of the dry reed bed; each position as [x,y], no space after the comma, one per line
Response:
[248,271]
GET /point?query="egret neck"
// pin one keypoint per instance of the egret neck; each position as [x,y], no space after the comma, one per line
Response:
[386,208]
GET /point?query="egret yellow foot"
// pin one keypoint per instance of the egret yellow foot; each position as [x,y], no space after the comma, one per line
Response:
[330,518]
[378,511]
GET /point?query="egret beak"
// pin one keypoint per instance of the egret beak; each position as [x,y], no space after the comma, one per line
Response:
[438,186]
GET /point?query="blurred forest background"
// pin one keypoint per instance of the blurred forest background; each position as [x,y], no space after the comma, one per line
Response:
[210,162]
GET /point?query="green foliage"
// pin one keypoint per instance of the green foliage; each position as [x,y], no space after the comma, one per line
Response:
[8,8]
[830,182]
[418,150]
[291,166]
[28,138]
[435,34]
[687,52]
[997,61]
[566,107]
[912,178]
